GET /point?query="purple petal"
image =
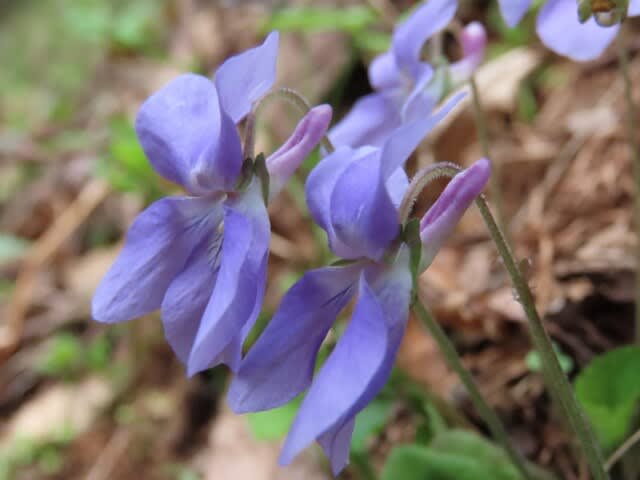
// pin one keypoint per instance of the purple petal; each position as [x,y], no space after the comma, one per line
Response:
[369,122]
[443,216]
[358,367]
[561,31]
[474,45]
[514,10]
[384,72]
[336,444]
[397,185]
[280,365]
[240,284]
[156,249]
[362,214]
[406,138]
[634,8]
[188,295]
[349,196]
[321,184]
[284,161]
[422,100]
[187,138]
[245,78]
[410,36]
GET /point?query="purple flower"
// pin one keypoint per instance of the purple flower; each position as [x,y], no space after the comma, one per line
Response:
[559,27]
[473,40]
[354,195]
[202,258]
[405,86]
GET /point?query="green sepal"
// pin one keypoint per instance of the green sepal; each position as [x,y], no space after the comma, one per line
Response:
[411,236]
[260,169]
[246,174]
[584,10]
[343,262]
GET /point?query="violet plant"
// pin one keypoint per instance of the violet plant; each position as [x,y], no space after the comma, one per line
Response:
[354,195]
[202,258]
[405,86]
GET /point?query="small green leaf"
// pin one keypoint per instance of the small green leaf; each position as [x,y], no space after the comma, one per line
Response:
[527,103]
[273,424]
[609,391]
[534,362]
[99,353]
[374,42]
[369,422]
[64,357]
[133,28]
[463,442]
[415,462]
[310,19]
[12,247]
[453,455]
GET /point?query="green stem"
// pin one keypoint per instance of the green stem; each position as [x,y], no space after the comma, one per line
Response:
[557,381]
[483,134]
[455,362]
[623,59]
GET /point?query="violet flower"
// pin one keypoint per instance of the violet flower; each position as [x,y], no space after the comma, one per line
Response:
[560,29]
[405,87]
[353,194]
[202,258]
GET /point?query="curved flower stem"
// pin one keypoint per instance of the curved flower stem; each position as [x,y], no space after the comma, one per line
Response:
[455,363]
[623,59]
[291,96]
[483,134]
[419,181]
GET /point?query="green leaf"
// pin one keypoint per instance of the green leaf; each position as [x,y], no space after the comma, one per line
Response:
[98,354]
[273,424]
[473,446]
[126,166]
[609,391]
[375,42]
[310,19]
[133,28]
[64,357]
[12,247]
[369,422]
[534,362]
[453,455]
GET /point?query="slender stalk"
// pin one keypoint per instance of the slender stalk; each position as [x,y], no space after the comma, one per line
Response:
[294,98]
[557,381]
[483,134]
[623,59]
[455,362]
[622,449]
